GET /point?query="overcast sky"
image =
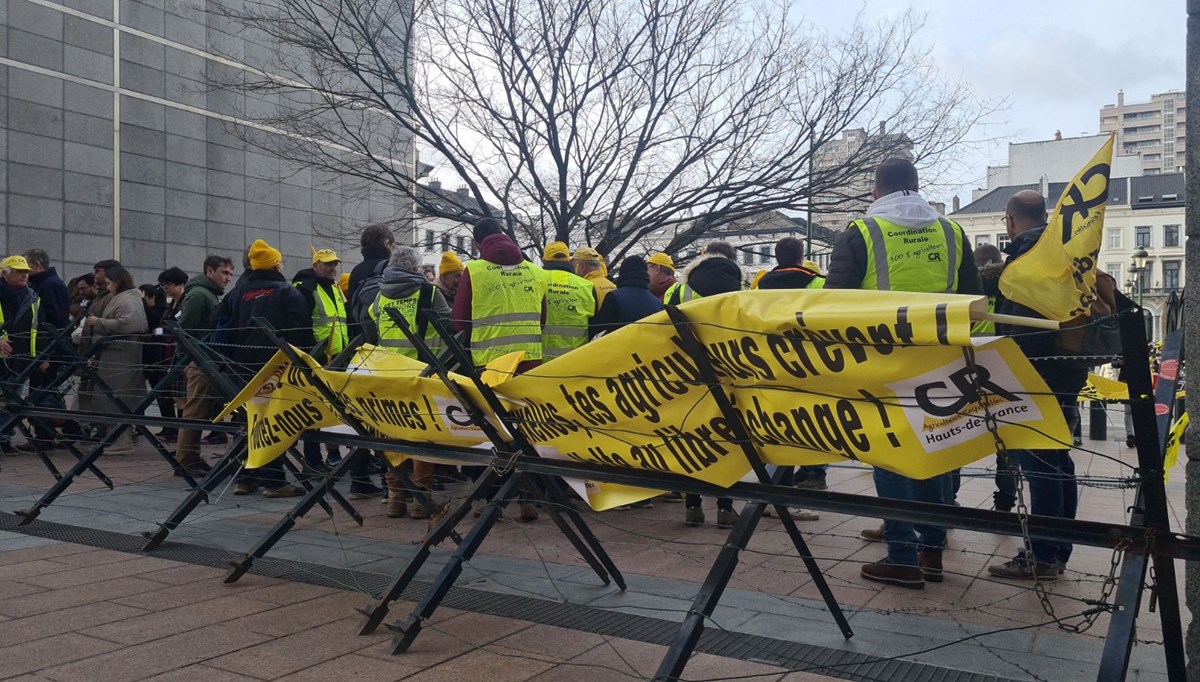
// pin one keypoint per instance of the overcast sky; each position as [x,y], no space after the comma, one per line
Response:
[1056,61]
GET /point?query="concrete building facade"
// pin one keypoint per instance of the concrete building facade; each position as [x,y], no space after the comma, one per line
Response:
[1153,130]
[112,145]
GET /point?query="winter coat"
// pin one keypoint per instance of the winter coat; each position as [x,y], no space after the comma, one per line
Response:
[56,303]
[196,310]
[118,364]
[790,277]
[712,274]
[265,294]
[629,302]
[399,283]
[848,261]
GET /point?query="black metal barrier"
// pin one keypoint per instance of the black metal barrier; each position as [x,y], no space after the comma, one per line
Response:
[515,470]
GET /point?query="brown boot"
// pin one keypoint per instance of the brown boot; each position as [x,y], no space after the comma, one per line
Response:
[396,507]
[426,509]
[872,534]
[894,574]
[930,561]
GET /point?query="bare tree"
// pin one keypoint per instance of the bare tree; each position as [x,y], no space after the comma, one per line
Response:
[611,122]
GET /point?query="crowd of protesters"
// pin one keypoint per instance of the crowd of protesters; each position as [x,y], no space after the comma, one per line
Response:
[499,302]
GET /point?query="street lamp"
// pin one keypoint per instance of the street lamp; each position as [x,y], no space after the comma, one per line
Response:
[1141,264]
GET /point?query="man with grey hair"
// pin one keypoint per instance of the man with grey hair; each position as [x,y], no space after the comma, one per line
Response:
[403,288]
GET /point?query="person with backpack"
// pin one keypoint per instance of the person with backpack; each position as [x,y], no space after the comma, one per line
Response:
[403,289]
[1050,473]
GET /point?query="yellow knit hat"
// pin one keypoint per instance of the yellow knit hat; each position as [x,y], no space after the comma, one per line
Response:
[262,256]
[556,251]
[450,263]
[662,260]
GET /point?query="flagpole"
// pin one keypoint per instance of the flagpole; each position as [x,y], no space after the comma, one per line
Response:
[1192,321]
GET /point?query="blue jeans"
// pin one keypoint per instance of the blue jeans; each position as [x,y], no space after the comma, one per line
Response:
[1052,492]
[904,539]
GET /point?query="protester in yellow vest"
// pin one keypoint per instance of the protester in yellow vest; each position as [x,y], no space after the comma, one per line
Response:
[501,299]
[589,265]
[450,271]
[661,269]
[404,289]
[501,302]
[990,264]
[319,286]
[903,244]
[570,303]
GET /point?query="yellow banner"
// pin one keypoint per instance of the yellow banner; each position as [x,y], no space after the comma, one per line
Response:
[1178,429]
[1102,388]
[1057,277]
[815,376]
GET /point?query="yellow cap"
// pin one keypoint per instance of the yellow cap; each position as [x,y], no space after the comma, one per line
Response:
[663,260]
[450,264]
[586,253]
[15,263]
[324,255]
[556,251]
[344,283]
[262,256]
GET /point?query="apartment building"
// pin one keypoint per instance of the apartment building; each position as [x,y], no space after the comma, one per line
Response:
[1153,130]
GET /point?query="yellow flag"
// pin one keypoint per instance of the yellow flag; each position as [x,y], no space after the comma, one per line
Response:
[1173,441]
[1057,277]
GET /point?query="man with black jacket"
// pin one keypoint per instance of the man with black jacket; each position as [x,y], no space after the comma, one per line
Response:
[55,307]
[264,293]
[1050,473]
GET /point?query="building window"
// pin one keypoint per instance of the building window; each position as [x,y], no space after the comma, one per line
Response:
[1170,275]
[1114,270]
[1170,235]
[764,257]
[459,243]
[981,239]
[747,257]
[474,250]
[1002,241]
[1141,236]
[429,240]
[1114,238]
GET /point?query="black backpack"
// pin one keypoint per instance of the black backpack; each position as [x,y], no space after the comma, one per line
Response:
[364,293]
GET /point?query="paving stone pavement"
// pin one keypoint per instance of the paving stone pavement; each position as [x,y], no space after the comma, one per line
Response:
[85,613]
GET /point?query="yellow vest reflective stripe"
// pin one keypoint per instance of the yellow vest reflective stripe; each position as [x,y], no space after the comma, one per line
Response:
[985,327]
[329,321]
[678,293]
[390,335]
[34,309]
[570,303]
[506,310]
[919,259]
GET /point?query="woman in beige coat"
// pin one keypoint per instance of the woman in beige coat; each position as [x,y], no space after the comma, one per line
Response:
[119,362]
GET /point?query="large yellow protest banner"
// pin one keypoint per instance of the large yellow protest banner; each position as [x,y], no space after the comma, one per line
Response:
[890,379]
[1057,277]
